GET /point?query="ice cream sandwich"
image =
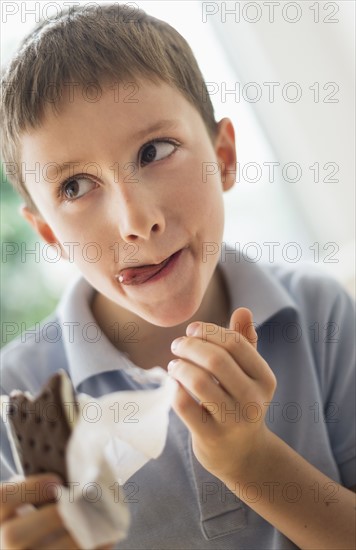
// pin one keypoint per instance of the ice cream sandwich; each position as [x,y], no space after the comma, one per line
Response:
[39,427]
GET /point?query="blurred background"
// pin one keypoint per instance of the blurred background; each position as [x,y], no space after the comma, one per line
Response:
[285,75]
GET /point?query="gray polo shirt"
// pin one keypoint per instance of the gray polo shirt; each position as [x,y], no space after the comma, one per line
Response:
[306,326]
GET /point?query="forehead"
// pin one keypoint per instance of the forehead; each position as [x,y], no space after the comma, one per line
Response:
[112,115]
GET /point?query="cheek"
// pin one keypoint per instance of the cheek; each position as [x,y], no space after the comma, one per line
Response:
[81,223]
[198,187]
[81,240]
[205,200]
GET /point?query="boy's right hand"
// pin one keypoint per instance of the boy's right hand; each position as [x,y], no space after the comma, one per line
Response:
[40,528]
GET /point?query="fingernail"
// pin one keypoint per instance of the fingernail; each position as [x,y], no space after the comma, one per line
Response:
[193,329]
[54,490]
[51,478]
[171,364]
[51,486]
[176,342]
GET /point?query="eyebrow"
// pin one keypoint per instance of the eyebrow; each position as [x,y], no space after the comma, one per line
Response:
[165,124]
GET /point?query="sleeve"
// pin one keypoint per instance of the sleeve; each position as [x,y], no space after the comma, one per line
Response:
[340,387]
[337,364]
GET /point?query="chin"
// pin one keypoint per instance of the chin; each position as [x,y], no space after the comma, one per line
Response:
[171,317]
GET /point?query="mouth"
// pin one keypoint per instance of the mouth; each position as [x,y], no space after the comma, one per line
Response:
[145,273]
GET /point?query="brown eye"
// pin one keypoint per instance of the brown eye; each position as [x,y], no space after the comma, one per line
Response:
[149,153]
[156,151]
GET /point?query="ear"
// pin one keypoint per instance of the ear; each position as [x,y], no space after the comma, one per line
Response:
[225,150]
[41,227]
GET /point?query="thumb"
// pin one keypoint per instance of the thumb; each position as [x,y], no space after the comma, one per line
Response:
[242,321]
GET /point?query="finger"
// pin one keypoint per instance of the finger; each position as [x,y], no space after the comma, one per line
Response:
[242,321]
[238,347]
[34,490]
[196,417]
[197,381]
[30,530]
[60,541]
[216,360]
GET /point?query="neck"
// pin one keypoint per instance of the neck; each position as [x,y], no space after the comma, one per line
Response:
[148,345]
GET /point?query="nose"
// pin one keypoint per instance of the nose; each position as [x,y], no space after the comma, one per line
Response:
[139,215]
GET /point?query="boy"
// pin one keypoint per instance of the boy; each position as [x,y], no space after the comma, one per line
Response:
[260,450]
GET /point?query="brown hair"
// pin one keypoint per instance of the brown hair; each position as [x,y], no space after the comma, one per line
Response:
[90,44]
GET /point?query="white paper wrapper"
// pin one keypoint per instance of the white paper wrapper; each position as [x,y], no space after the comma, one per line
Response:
[114,437]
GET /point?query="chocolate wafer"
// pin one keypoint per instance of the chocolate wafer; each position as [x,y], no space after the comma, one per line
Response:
[39,428]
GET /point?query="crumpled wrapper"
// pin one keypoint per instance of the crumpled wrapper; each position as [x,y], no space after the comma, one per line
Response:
[113,438]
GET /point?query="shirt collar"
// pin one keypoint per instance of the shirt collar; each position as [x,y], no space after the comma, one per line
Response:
[90,352]
[255,286]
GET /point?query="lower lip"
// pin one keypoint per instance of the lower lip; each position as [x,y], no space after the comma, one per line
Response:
[166,270]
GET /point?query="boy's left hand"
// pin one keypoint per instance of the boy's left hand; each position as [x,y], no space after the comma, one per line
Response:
[233,384]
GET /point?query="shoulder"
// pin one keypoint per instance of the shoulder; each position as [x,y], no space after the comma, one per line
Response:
[302,291]
[315,292]
[326,317]
[30,359]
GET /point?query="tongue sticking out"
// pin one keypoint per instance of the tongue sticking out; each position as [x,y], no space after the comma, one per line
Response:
[139,275]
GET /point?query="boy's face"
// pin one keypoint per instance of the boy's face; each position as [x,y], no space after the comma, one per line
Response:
[136,193]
